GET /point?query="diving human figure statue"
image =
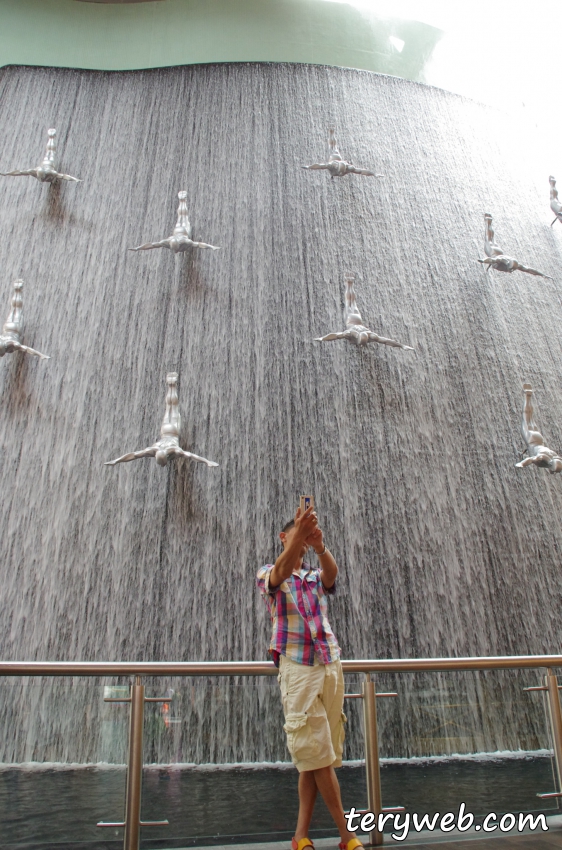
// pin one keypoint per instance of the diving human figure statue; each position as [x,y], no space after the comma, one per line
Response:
[355,331]
[12,331]
[168,446]
[495,257]
[336,165]
[180,240]
[539,454]
[46,172]
[555,204]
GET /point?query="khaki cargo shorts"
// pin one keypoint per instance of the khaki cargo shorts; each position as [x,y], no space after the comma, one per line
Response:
[314,720]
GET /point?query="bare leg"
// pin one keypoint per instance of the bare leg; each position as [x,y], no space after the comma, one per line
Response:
[490,246]
[528,424]
[51,149]
[328,785]
[14,322]
[335,155]
[48,163]
[352,314]
[307,798]
[171,424]
[182,224]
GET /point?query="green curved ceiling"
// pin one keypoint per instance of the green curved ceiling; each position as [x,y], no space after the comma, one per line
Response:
[125,36]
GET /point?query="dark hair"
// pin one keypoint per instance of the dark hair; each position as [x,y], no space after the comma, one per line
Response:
[288,525]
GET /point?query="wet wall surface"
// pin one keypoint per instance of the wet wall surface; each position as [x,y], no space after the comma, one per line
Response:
[444,547]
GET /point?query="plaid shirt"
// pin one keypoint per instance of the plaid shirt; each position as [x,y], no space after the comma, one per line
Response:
[298,609]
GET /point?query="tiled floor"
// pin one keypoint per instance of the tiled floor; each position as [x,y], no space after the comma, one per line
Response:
[428,841]
[545,841]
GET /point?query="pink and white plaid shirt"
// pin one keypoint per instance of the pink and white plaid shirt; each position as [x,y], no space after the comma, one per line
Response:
[299,617]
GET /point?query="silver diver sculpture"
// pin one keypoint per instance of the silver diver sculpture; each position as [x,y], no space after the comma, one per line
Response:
[168,446]
[47,171]
[336,165]
[539,454]
[555,204]
[355,331]
[180,240]
[496,259]
[12,331]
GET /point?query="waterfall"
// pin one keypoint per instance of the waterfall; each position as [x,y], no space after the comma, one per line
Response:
[444,547]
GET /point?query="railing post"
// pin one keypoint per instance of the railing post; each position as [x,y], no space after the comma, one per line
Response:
[551,683]
[133,786]
[134,768]
[372,765]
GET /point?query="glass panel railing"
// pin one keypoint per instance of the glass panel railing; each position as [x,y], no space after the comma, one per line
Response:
[217,767]
[62,767]
[467,737]
[200,777]
[61,721]
[207,799]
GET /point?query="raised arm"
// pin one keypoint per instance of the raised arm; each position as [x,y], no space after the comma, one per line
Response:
[27,350]
[181,453]
[373,337]
[353,170]
[523,268]
[68,177]
[329,337]
[204,245]
[291,556]
[165,243]
[150,452]
[327,561]
[317,167]
[31,172]
[528,461]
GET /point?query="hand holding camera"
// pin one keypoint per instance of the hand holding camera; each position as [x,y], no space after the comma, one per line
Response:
[306,521]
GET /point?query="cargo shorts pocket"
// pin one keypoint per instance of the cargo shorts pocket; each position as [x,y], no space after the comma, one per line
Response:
[340,736]
[302,744]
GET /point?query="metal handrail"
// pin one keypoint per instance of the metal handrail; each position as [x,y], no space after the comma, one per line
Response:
[138,669]
[267,668]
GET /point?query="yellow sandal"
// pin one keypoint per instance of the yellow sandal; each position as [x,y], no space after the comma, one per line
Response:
[301,844]
[351,844]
